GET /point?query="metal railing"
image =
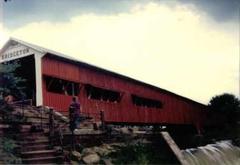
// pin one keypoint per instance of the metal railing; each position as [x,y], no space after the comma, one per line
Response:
[55,131]
[22,104]
[11,115]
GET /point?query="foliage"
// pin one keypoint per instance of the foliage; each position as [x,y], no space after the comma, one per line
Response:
[8,145]
[9,82]
[8,117]
[156,129]
[225,102]
[228,105]
[139,153]
[132,154]
[13,160]
[9,150]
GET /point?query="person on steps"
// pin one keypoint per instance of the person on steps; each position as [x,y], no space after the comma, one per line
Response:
[75,106]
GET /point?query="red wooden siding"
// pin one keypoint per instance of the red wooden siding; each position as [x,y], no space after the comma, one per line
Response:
[175,110]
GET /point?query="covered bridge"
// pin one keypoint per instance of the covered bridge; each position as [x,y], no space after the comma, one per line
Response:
[53,78]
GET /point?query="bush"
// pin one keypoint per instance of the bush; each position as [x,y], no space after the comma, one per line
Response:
[140,153]
[9,148]
[8,145]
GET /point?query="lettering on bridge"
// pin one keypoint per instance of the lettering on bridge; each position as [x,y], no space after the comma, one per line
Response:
[15,53]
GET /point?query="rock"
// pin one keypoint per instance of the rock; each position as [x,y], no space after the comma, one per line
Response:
[66,152]
[83,131]
[125,130]
[107,161]
[76,156]
[79,147]
[101,151]
[107,146]
[66,155]
[61,116]
[141,141]
[118,145]
[91,158]
[58,149]
[74,162]
[87,151]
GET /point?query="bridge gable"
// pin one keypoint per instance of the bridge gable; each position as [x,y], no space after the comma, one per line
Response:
[15,50]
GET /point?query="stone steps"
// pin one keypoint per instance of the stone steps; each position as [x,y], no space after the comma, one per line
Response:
[43,160]
[38,153]
[35,150]
[30,111]
[33,138]
[29,134]
[2,128]
[36,142]
[25,135]
[35,147]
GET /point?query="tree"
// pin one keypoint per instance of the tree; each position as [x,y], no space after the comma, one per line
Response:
[10,84]
[224,102]
[228,105]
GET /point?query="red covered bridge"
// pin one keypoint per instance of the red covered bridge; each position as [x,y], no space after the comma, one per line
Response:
[53,78]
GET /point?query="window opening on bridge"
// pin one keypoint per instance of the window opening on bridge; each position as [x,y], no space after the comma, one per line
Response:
[146,102]
[97,93]
[61,86]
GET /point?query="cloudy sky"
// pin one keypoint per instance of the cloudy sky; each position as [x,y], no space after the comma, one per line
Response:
[189,47]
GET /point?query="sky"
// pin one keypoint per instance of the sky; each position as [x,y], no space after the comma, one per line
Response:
[188,47]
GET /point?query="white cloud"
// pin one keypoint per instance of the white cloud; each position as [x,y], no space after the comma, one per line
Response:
[3,35]
[176,48]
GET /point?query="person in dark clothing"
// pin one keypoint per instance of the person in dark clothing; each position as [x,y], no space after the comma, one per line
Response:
[72,124]
[75,115]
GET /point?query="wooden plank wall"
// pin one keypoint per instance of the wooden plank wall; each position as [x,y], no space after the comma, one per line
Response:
[176,110]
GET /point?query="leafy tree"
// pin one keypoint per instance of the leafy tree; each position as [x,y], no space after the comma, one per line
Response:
[228,105]
[225,102]
[10,84]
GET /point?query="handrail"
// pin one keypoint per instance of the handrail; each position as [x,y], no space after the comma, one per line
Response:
[95,115]
[22,102]
[51,125]
[60,137]
[54,129]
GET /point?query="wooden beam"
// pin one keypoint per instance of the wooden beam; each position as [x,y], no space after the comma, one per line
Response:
[171,143]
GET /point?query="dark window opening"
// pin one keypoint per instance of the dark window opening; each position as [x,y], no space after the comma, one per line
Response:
[145,102]
[102,94]
[61,86]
